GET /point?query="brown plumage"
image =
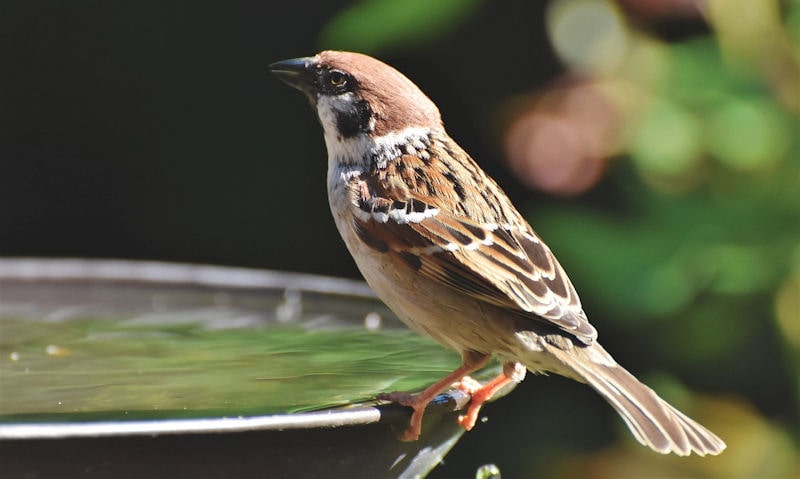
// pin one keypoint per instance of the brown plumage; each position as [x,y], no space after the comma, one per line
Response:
[506,265]
[443,246]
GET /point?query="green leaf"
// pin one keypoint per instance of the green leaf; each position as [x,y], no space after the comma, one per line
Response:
[373,25]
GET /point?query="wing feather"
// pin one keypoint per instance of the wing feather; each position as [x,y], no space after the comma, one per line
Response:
[504,265]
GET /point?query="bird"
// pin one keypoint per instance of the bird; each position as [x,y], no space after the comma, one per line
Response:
[443,246]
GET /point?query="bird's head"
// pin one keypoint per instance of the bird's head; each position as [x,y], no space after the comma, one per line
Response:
[357,96]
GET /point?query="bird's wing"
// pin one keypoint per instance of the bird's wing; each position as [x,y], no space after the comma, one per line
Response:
[503,264]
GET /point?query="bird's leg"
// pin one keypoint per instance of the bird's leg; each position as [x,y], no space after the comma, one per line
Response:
[470,362]
[512,372]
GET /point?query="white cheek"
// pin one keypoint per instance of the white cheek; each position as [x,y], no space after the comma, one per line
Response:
[340,149]
[326,108]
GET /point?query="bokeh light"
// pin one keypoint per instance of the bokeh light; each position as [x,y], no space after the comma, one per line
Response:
[588,35]
[560,145]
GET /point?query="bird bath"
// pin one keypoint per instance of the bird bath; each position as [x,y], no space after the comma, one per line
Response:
[123,368]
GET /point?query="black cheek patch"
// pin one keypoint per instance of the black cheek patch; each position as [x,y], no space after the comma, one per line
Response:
[354,120]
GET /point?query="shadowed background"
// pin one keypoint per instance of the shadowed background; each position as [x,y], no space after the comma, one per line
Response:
[654,145]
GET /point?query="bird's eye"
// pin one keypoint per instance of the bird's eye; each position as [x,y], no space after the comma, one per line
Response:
[337,79]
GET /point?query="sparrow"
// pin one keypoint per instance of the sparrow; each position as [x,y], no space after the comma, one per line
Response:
[443,246]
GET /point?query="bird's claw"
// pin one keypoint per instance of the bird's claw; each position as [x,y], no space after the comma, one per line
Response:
[468,385]
[399,397]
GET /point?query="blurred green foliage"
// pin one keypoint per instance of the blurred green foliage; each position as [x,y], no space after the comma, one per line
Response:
[371,25]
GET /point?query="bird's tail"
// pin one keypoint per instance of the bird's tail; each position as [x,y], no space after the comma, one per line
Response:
[654,422]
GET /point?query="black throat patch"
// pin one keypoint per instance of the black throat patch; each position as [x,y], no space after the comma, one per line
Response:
[354,120]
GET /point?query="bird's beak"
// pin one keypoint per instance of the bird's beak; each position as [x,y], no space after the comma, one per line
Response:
[296,72]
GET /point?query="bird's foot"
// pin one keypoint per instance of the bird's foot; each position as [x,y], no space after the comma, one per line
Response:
[480,394]
[399,397]
[418,402]
[468,385]
[411,433]
[414,401]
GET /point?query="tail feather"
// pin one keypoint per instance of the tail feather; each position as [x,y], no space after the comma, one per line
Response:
[653,422]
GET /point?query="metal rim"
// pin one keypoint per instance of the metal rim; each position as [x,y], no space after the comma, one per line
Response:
[357,415]
[157,272]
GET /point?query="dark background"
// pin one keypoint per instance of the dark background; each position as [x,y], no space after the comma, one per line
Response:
[153,130]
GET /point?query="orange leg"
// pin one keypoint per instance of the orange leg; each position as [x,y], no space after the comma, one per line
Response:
[512,372]
[470,362]
[479,397]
